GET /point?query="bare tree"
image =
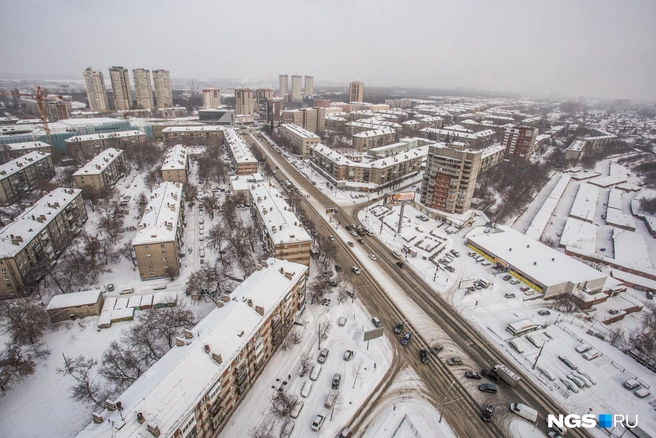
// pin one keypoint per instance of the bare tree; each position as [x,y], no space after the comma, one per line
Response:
[617,337]
[142,203]
[324,331]
[15,365]
[260,431]
[342,292]
[294,337]
[566,303]
[168,322]
[317,289]
[305,362]
[338,401]
[283,403]
[127,251]
[24,319]
[123,363]
[356,368]
[86,388]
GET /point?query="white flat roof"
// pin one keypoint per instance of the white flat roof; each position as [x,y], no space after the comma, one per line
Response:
[160,221]
[176,158]
[617,218]
[99,163]
[337,158]
[109,135]
[276,213]
[21,163]
[375,133]
[579,234]
[168,392]
[239,150]
[543,216]
[74,299]
[27,145]
[537,260]
[576,145]
[585,203]
[192,129]
[297,130]
[631,249]
[615,199]
[27,225]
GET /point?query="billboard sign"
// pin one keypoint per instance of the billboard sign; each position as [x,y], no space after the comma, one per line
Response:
[399,197]
[373,334]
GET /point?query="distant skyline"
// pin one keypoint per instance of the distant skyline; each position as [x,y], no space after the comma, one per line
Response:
[598,48]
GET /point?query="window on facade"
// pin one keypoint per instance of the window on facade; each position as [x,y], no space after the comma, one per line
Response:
[150,267]
[161,245]
[163,252]
[6,278]
[145,246]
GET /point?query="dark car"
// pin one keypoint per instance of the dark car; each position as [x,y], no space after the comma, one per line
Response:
[488,412]
[398,328]
[490,375]
[423,355]
[488,387]
[400,265]
[360,239]
[473,375]
[506,278]
[544,312]
[406,338]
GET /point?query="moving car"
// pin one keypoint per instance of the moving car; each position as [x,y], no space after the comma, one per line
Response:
[345,433]
[490,375]
[376,322]
[342,321]
[543,312]
[323,355]
[437,348]
[398,328]
[331,237]
[473,375]
[524,411]
[423,356]
[400,265]
[454,361]
[349,243]
[318,422]
[337,378]
[488,412]
[406,338]
[373,257]
[355,270]
[488,387]
[348,354]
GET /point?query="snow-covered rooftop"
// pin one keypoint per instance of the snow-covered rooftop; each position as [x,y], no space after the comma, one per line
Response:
[297,130]
[543,216]
[20,163]
[375,133]
[99,163]
[539,261]
[631,249]
[109,135]
[585,204]
[168,392]
[460,135]
[176,158]
[74,299]
[277,215]
[15,236]
[239,150]
[579,234]
[26,145]
[381,163]
[192,129]
[160,221]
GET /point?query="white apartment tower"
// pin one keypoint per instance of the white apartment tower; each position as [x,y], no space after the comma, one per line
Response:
[121,86]
[283,85]
[143,88]
[163,88]
[244,101]
[297,82]
[96,92]
[211,97]
[309,86]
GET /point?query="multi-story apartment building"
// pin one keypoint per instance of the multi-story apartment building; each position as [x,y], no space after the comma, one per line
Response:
[598,139]
[241,155]
[121,87]
[274,108]
[57,108]
[282,233]
[194,389]
[14,150]
[283,85]
[163,89]
[158,242]
[102,171]
[310,119]
[450,177]
[94,82]
[199,133]
[372,124]
[373,139]
[300,138]
[91,143]
[244,101]
[38,236]
[211,97]
[20,175]
[356,92]
[309,86]
[143,89]
[262,96]
[297,82]
[520,141]
[176,165]
[475,140]
[340,169]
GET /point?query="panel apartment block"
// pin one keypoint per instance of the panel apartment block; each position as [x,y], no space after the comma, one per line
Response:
[240,153]
[176,165]
[20,176]
[102,171]
[198,133]
[300,138]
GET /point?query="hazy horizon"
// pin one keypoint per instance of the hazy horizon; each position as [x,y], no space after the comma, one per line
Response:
[604,49]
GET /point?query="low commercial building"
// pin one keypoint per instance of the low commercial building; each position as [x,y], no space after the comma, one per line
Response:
[75,305]
[20,176]
[103,141]
[241,155]
[102,171]
[300,138]
[282,232]
[37,237]
[363,141]
[194,389]
[176,165]
[198,133]
[14,150]
[546,270]
[158,243]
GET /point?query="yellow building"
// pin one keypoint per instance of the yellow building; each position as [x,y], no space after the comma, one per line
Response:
[102,171]
[176,165]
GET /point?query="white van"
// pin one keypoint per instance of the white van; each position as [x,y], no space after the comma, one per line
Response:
[396,254]
[297,410]
[305,392]
[524,411]
[314,375]
[484,283]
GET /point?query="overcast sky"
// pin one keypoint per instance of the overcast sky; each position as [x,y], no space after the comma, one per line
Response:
[603,48]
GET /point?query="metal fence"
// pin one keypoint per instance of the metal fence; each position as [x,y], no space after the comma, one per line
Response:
[412,426]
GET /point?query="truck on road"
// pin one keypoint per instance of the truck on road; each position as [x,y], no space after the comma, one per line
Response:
[508,375]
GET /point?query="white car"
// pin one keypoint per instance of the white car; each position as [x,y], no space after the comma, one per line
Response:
[591,354]
[318,422]
[373,257]
[201,253]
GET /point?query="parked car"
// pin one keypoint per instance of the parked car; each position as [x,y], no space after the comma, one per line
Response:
[488,387]
[437,348]
[406,338]
[490,375]
[376,322]
[454,361]
[591,354]
[345,433]
[201,253]
[323,355]
[399,328]
[450,268]
[400,265]
[110,287]
[473,375]
[373,257]
[396,254]
[513,281]
[567,362]
[631,384]
[348,355]
[287,429]
[488,412]
[642,392]
[509,295]
[342,321]
[318,422]
[337,378]
[613,311]
[423,356]
[507,277]
[543,312]
[524,288]
[338,268]
[349,243]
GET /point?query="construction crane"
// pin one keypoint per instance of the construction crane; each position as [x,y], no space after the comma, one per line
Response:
[42,113]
